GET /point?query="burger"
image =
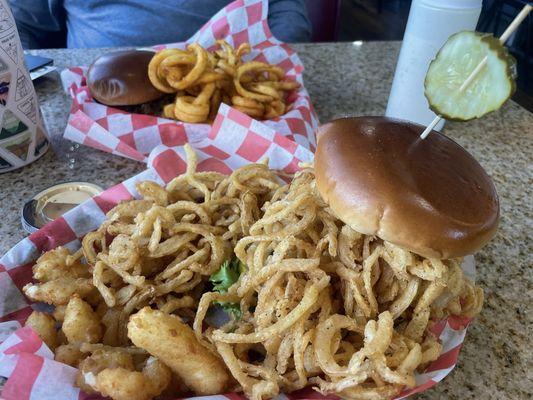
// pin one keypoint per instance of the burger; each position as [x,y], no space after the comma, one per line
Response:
[429,196]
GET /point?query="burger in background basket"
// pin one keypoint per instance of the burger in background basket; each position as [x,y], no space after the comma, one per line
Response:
[200,80]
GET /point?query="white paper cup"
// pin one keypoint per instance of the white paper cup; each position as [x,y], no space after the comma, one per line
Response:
[23,138]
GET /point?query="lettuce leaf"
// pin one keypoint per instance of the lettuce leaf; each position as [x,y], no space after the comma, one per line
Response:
[227,275]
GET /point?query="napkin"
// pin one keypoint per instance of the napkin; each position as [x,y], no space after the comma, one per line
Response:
[235,140]
[135,135]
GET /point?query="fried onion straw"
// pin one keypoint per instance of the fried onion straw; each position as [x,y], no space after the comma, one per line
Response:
[324,305]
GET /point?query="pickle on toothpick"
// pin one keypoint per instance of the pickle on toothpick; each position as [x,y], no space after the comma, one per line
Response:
[455,61]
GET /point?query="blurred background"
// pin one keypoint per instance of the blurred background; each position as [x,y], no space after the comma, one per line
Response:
[366,20]
[351,20]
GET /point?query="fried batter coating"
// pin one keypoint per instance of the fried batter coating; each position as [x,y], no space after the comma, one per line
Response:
[58,263]
[44,325]
[123,384]
[97,362]
[69,354]
[81,324]
[174,343]
[58,291]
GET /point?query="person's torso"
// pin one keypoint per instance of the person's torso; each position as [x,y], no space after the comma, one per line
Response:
[112,23]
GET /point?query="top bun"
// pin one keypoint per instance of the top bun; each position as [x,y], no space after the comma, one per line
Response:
[121,78]
[428,196]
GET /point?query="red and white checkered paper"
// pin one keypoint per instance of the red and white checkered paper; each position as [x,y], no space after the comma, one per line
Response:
[135,135]
[234,140]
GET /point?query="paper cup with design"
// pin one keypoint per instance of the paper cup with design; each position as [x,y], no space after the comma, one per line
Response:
[22,135]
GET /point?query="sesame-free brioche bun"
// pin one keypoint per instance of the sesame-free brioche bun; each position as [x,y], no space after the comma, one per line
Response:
[428,196]
[120,78]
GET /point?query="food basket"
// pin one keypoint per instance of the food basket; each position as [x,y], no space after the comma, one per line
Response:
[134,135]
[234,140]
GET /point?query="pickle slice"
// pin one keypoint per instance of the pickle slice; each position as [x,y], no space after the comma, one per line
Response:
[459,56]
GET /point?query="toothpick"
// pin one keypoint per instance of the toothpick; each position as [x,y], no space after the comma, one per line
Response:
[503,38]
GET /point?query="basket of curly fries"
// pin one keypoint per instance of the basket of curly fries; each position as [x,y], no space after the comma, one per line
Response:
[250,275]
[127,102]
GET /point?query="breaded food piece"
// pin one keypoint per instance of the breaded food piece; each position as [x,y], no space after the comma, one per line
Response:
[157,373]
[45,326]
[58,291]
[56,264]
[123,384]
[164,336]
[59,313]
[69,354]
[99,360]
[61,338]
[81,324]
[110,320]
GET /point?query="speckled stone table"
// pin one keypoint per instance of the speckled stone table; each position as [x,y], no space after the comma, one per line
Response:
[354,79]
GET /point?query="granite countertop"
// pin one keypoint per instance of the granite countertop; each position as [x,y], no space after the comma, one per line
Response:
[355,79]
